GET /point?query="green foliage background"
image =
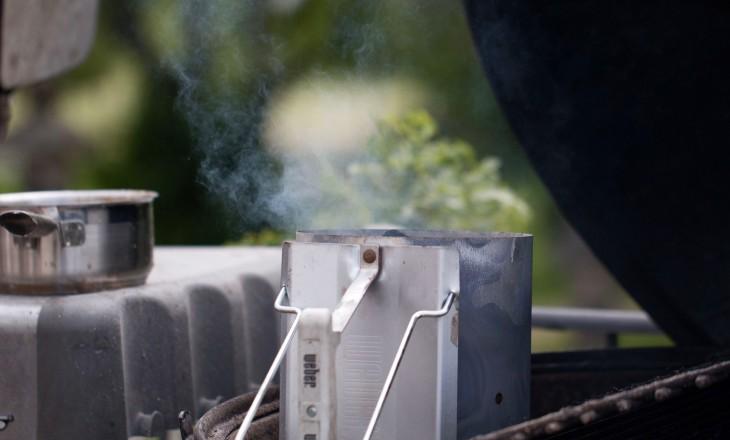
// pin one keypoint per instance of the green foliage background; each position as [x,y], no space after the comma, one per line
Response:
[152,145]
[454,157]
[410,177]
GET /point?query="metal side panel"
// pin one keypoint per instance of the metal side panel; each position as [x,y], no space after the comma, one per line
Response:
[494,318]
[80,369]
[213,366]
[18,363]
[422,401]
[121,364]
[150,357]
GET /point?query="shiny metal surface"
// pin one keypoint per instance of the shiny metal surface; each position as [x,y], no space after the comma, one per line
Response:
[102,365]
[593,320]
[356,291]
[448,302]
[60,242]
[494,318]
[422,400]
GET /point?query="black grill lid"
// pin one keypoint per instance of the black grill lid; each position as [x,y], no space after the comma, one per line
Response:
[623,108]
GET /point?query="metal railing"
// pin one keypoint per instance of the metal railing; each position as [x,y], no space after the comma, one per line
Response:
[607,322]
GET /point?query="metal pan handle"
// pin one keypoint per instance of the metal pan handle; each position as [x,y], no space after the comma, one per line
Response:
[445,307]
[27,224]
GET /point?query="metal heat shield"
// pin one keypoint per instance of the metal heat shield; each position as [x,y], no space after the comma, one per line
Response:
[422,402]
[494,317]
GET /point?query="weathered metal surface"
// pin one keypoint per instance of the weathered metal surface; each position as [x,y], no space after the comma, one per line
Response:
[119,364]
[42,38]
[493,321]
[689,404]
[568,378]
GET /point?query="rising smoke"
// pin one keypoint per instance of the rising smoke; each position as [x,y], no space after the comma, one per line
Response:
[227,69]
[223,95]
[232,61]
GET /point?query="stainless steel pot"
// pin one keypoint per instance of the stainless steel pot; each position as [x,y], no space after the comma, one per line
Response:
[75,241]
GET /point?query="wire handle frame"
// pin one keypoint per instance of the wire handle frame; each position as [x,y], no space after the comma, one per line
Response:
[445,307]
[278,305]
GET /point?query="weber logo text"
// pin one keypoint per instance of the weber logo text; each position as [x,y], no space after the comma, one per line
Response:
[310,370]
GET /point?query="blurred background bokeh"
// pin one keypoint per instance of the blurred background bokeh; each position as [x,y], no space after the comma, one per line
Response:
[175,89]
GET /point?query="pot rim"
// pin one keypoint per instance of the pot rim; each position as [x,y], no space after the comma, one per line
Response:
[100,197]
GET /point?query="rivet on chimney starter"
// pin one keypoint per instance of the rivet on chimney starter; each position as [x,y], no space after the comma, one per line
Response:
[369,256]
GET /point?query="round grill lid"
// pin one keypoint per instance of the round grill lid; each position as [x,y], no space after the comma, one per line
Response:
[624,110]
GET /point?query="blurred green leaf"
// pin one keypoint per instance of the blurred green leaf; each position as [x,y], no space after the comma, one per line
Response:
[264,237]
[412,178]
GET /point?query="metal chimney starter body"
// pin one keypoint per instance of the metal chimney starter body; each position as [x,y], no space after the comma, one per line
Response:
[465,369]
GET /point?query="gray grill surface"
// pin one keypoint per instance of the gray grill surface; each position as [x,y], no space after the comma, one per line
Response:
[123,363]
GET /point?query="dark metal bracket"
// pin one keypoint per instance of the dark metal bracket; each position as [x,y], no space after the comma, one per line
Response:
[185,423]
[5,420]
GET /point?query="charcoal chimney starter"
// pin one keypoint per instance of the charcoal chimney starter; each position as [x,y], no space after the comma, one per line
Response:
[404,334]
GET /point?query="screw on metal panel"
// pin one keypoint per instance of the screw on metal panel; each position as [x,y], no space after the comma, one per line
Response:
[369,256]
[312,411]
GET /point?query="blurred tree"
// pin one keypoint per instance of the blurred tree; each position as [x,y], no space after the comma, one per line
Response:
[197,81]
[240,53]
[408,176]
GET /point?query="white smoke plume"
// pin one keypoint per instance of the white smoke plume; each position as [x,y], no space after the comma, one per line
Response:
[269,167]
